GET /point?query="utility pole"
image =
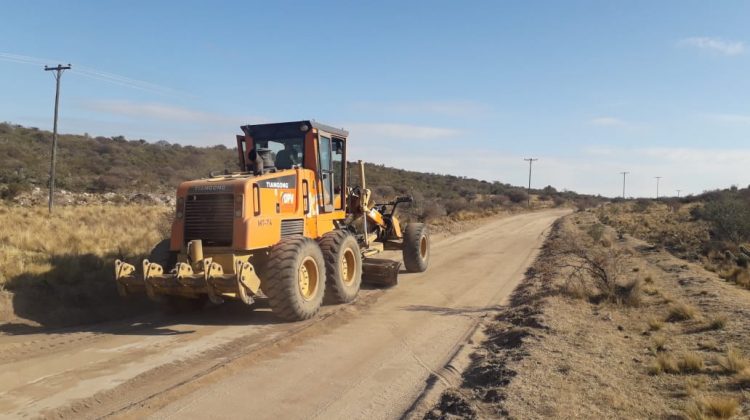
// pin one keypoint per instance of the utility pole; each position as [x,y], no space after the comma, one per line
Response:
[623,183]
[58,74]
[678,193]
[528,193]
[657,186]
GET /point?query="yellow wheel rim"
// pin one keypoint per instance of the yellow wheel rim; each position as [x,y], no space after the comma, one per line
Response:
[308,278]
[348,267]
[423,247]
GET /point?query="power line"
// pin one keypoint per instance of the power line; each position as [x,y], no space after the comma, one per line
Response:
[58,74]
[528,193]
[623,183]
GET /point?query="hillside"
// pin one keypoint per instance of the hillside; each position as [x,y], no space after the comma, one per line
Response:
[103,164]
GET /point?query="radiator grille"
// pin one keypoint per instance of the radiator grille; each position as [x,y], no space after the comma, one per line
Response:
[292,227]
[210,218]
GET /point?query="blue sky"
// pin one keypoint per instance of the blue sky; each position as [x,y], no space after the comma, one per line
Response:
[590,88]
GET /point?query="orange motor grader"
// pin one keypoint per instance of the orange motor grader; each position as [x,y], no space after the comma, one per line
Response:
[287,226]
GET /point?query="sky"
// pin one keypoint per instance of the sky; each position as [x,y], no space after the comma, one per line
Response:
[468,88]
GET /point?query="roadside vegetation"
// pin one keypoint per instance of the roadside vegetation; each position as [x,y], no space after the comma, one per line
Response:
[712,228]
[57,270]
[608,326]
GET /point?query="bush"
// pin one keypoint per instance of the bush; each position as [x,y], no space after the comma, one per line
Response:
[730,218]
[641,205]
[517,196]
[13,190]
[432,210]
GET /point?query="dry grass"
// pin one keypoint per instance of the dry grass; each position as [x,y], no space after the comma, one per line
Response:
[59,268]
[694,384]
[738,275]
[712,407]
[743,378]
[655,324]
[681,312]
[664,363]
[658,344]
[690,363]
[29,237]
[709,344]
[718,322]
[734,361]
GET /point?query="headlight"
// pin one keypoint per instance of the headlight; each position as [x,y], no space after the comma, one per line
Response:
[239,205]
[180,212]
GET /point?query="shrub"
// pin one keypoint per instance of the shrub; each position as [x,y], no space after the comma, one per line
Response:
[432,210]
[641,205]
[13,190]
[517,196]
[730,217]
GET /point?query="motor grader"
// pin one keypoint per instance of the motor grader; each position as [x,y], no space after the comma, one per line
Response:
[287,226]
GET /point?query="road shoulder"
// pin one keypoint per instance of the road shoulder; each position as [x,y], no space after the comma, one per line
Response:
[669,341]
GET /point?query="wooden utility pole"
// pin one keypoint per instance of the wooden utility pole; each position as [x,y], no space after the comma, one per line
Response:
[678,193]
[528,192]
[58,74]
[623,183]
[657,186]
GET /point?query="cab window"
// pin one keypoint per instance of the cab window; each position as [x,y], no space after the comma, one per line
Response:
[326,172]
[338,173]
[286,153]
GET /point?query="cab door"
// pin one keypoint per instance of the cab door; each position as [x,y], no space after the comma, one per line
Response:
[326,173]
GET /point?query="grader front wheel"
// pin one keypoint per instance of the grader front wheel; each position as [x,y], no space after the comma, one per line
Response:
[416,247]
[294,279]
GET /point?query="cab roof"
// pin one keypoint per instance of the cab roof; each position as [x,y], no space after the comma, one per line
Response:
[290,129]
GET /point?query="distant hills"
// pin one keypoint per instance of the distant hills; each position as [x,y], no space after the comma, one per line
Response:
[116,164]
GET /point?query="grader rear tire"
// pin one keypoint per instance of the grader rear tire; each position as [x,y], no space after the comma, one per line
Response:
[343,266]
[416,249]
[294,279]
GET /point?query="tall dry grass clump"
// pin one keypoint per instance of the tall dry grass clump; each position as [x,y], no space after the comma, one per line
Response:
[712,407]
[65,259]
[734,361]
[30,238]
[681,312]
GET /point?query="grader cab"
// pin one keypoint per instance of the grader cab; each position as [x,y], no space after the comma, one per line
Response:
[287,226]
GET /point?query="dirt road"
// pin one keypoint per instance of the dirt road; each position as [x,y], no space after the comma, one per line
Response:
[367,360]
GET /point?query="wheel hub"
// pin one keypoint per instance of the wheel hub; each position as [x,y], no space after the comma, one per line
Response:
[347,267]
[308,278]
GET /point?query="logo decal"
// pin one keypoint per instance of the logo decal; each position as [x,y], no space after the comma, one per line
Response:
[209,188]
[282,182]
[287,198]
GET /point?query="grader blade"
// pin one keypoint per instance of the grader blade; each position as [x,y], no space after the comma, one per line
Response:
[380,272]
